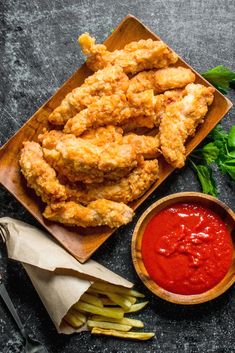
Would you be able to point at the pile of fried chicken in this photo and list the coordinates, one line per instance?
(96, 159)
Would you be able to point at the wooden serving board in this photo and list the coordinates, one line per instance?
(82, 243)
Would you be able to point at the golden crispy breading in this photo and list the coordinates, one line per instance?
(108, 81)
(148, 146)
(161, 80)
(114, 109)
(180, 121)
(126, 189)
(107, 110)
(97, 213)
(49, 139)
(139, 123)
(66, 165)
(39, 174)
(142, 104)
(161, 101)
(103, 135)
(80, 160)
(118, 160)
(134, 57)
(164, 100)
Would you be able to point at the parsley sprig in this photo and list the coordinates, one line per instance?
(220, 150)
(221, 77)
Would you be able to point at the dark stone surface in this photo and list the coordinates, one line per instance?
(38, 53)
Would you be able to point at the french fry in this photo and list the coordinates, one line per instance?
(107, 301)
(120, 300)
(143, 336)
(108, 325)
(124, 321)
(73, 319)
(110, 312)
(131, 299)
(136, 307)
(116, 289)
(91, 299)
(97, 292)
(79, 315)
(108, 320)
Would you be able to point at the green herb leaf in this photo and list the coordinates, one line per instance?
(230, 162)
(232, 154)
(210, 152)
(228, 167)
(206, 178)
(221, 77)
(221, 151)
(231, 137)
(207, 181)
(232, 83)
(218, 133)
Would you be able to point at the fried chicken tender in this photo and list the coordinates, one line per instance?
(97, 213)
(114, 109)
(107, 110)
(42, 178)
(134, 57)
(104, 82)
(148, 146)
(161, 101)
(40, 175)
(140, 123)
(80, 160)
(161, 80)
(180, 121)
(103, 135)
(142, 104)
(164, 100)
(124, 190)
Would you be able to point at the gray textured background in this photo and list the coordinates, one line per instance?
(38, 53)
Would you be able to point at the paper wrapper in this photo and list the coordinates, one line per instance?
(58, 277)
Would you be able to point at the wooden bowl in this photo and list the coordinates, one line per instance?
(225, 213)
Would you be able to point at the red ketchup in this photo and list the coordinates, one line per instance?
(186, 249)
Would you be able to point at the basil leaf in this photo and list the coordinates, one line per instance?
(221, 77)
(231, 137)
(210, 152)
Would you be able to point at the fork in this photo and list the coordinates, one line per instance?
(30, 345)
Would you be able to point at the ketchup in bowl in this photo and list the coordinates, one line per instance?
(186, 249)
